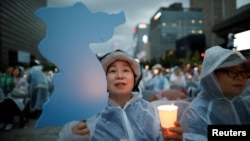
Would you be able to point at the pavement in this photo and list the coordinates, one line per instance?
(30, 133)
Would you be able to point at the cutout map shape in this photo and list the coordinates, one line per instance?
(80, 87)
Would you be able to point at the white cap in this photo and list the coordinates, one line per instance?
(111, 57)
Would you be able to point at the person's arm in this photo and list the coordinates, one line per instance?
(155, 96)
(74, 131)
(194, 126)
(20, 90)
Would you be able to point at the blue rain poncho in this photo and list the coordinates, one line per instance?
(137, 121)
(211, 107)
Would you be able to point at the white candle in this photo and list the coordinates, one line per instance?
(168, 115)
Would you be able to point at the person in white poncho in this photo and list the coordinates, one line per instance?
(127, 116)
(221, 101)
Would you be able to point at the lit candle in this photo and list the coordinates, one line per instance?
(168, 115)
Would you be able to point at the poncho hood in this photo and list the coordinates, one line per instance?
(217, 57)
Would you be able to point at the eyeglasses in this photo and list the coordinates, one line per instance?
(234, 74)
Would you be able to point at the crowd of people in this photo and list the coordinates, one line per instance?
(222, 85)
(159, 82)
(23, 93)
(217, 93)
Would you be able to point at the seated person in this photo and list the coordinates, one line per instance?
(14, 102)
(221, 101)
(127, 116)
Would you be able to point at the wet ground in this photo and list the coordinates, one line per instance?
(30, 133)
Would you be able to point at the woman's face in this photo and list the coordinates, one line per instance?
(120, 78)
(16, 72)
(232, 80)
(156, 71)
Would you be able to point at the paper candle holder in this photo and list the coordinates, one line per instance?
(167, 115)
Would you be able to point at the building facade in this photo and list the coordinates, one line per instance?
(170, 24)
(214, 11)
(140, 41)
(21, 31)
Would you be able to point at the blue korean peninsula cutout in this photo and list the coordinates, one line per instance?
(80, 87)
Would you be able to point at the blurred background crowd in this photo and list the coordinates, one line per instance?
(23, 93)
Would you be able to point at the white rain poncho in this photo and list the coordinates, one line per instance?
(211, 107)
(137, 121)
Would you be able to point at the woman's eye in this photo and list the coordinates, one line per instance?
(126, 70)
(111, 71)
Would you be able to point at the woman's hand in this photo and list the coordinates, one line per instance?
(173, 133)
(81, 129)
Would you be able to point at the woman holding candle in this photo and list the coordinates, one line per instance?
(221, 101)
(127, 116)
